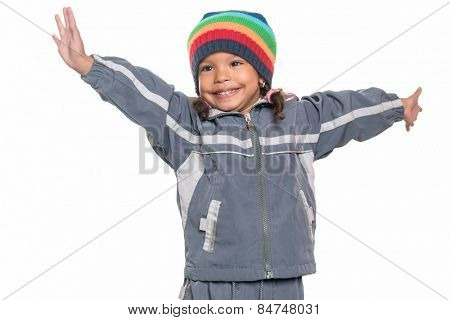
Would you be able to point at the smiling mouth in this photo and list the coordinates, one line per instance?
(227, 93)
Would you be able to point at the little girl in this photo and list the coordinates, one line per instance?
(242, 152)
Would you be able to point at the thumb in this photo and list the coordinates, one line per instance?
(418, 92)
(55, 38)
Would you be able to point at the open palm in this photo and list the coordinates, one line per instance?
(70, 45)
(411, 108)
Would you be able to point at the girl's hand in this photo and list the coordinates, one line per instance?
(70, 46)
(412, 108)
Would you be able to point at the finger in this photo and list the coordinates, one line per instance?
(60, 26)
(418, 92)
(420, 109)
(72, 23)
(66, 19)
(55, 38)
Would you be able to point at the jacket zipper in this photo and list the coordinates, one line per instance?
(255, 139)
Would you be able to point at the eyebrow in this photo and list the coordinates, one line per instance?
(206, 62)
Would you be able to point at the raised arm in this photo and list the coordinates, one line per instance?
(340, 116)
(138, 93)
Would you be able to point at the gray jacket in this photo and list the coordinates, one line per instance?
(245, 184)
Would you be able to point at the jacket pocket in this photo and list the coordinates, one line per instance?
(209, 225)
(309, 215)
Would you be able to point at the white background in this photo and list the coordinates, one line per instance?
(69, 163)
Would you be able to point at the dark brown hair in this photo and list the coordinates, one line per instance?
(277, 100)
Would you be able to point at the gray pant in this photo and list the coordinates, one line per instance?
(268, 289)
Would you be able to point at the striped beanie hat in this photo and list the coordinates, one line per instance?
(243, 33)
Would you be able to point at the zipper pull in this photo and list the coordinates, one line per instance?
(249, 121)
(269, 274)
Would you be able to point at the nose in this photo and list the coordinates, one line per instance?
(222, 75)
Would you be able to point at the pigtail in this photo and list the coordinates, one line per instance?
(277, 100)
(201, 107)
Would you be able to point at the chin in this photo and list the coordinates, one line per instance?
(226, 107)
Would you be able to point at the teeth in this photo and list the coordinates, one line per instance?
(226, 92)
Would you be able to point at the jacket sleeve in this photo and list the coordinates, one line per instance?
(148, 101)
(340, 116)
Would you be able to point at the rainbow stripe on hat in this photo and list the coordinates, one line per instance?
(246, 34)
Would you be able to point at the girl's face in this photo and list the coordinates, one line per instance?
(228, 82)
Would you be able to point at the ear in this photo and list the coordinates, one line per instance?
(262, 82)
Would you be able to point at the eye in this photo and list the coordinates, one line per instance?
(204, 67)
(236, 61)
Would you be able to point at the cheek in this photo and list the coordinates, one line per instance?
(251, 83)
(203, 81)
(250, 78)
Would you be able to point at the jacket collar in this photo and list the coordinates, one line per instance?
(213, 113)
